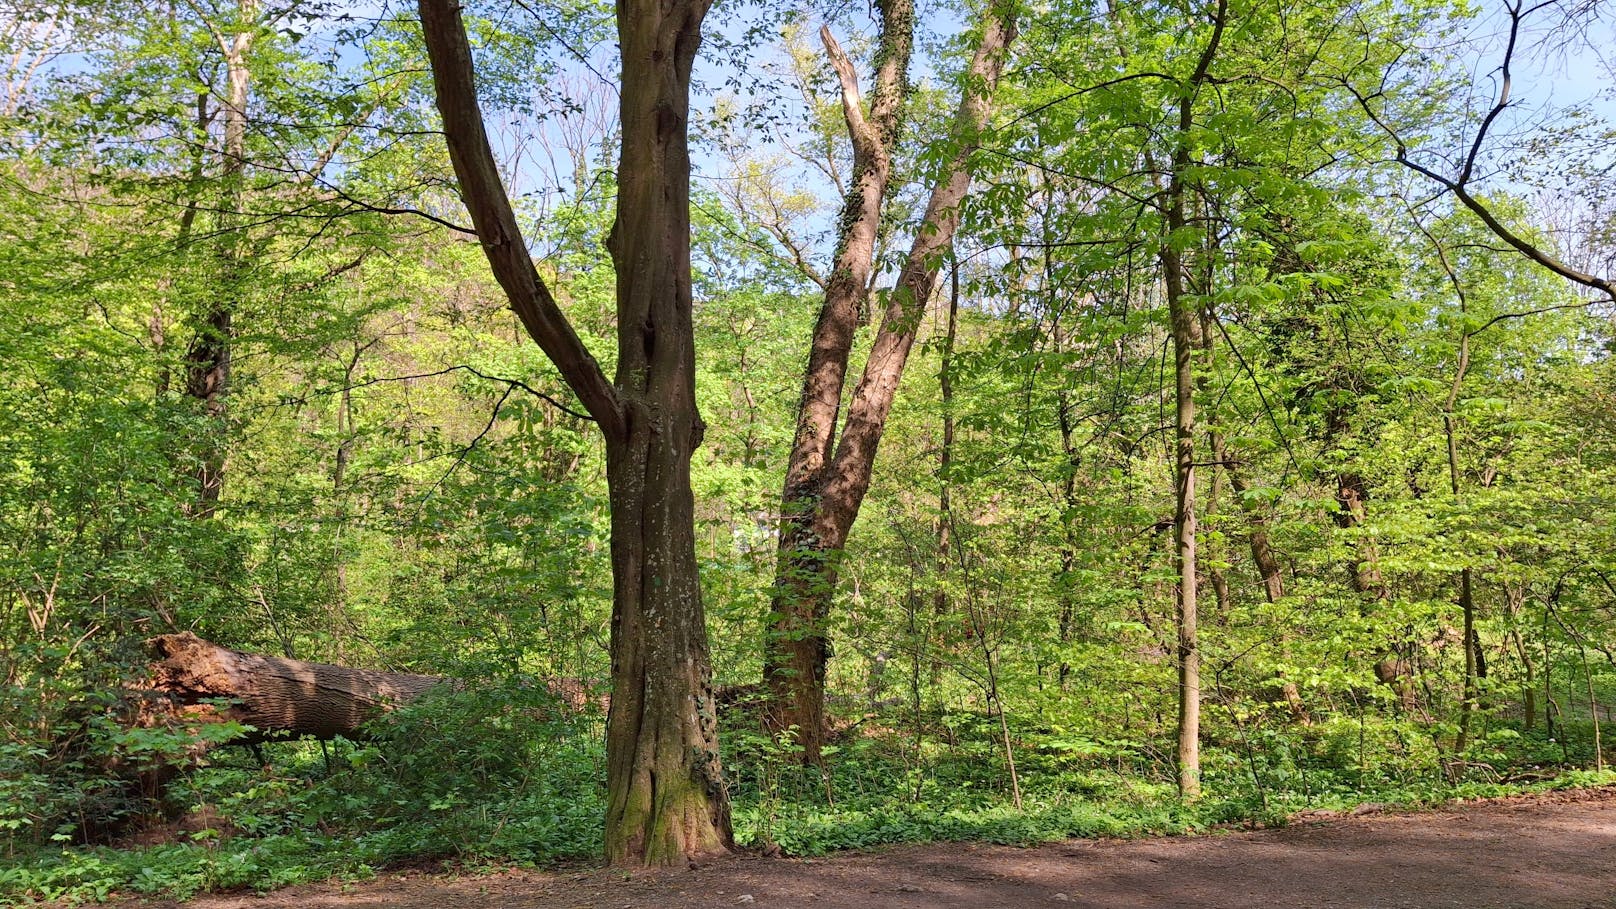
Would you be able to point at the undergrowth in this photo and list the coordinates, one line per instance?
(504, 776)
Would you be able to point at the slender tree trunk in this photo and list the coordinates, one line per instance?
(945, 457)
(1394, 664)
(823, 496)
(1071, 532)
(1467, 601)
(1466, 595)
(208, 360)
(1186, 339)
(666, 801)
(1184, 519)
(1515, 600)
(941, 603)
(1262, 550)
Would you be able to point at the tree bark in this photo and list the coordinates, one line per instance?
(820, 511)
(796, 647)
(1185, 329)
(666, 798)
(667, 801)
(208, 359)
(278, 697)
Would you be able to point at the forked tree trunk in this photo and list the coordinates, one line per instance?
(796, 647)
(818, 513)
(666, 799)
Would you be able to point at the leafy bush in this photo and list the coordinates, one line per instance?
(496, 772)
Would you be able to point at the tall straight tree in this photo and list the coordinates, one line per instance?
(666, 797)
(1185, 329)
(827, 476)
(207, 360)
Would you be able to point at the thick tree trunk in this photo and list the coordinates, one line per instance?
(666, 798)
(667, 801)
(276, 696)
(816, 522)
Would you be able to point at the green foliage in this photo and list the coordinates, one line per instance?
(497, 773)
(408, 485)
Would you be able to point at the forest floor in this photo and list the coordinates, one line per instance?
(1535, 852)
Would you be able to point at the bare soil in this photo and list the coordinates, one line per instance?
(1556, 850)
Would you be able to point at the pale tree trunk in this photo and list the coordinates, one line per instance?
(207, 360)
(1185, 340)
(815, 528)
(666, 798)
(1186, 333)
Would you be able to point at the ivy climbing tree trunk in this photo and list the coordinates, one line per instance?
(666, 798)
(796, 647)
(823, 491)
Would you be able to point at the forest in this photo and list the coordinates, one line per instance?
(542, 432)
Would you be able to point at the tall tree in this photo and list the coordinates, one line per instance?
(207, 360)
(1186, 332)
(666, 797)
(827, 476)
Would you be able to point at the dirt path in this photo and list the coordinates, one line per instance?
(1537, 853)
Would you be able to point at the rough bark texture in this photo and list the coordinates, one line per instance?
(666, 801)
(277, 696)
(819, 512)
(796, 647)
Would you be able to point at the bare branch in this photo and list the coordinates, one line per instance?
(858, 129)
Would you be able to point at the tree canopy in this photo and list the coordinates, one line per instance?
(989, 420)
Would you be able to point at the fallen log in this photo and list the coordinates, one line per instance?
(278, 697)
(193, 682)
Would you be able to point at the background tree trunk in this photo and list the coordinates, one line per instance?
(796, 647)
(207, 360)
(811, 543)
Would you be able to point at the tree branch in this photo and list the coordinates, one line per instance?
(483, 192)
(511, 385)
(858, 128)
